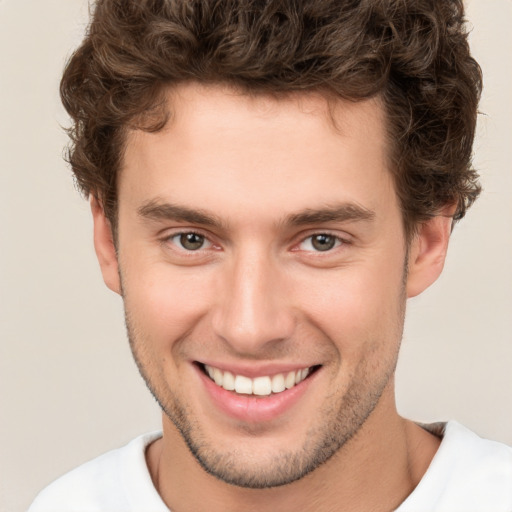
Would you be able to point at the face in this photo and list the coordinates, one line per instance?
(261, 258)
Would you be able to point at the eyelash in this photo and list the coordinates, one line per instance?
(339, 242)
(170, 238)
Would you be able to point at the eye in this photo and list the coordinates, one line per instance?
(190, 241)
(320, 242)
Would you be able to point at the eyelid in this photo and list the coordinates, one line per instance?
(168, 235)
(206, 244)
(342, 239)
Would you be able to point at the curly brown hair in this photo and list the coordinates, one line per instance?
(413, 54)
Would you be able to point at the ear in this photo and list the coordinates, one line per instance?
(104, 246)
(427, 252)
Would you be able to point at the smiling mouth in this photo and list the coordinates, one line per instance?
(260, 386)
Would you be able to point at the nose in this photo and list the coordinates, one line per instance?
(253, 309)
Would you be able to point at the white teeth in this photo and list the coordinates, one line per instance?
(278, 383)
(260, 386)
(289, 380)
(217, 376)
(243, 385)
(228, 381)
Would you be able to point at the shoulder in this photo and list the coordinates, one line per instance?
(467, 473)
(478, 459)
(104, 483)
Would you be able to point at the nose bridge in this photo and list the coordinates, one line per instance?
(253, 309)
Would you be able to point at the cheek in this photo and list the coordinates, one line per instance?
(359, 308)
(165, 303)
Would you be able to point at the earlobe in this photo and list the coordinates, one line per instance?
(104, 247)
(427, 253)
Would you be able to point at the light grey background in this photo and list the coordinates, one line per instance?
(68, 387)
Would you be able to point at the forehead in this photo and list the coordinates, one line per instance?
(222, 146)
(194, 106)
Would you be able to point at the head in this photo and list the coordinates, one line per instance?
(271, 180)
(413, 56)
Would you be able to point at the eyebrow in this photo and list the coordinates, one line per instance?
(156, 210)
(345, 212)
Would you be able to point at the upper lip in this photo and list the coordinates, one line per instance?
(253, 369)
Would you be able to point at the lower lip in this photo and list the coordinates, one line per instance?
(251, 408)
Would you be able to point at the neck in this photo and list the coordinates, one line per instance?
(376, 470)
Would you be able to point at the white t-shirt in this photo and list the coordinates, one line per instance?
(467, 474)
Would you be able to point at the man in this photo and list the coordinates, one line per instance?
(269, 183)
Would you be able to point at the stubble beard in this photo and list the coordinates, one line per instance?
(338, 424)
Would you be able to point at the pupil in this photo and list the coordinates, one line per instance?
(323, 242)
(191, 241)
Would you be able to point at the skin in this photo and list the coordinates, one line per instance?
(259, 295)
